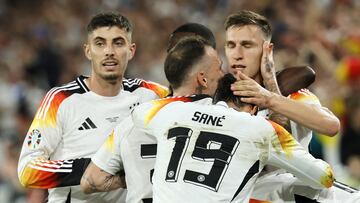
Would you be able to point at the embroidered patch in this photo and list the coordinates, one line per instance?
(34, 138)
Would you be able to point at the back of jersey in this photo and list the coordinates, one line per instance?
(206, 153)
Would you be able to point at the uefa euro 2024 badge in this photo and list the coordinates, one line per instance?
(34, 138)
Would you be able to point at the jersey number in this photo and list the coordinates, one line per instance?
(148, 151)
(209, 147)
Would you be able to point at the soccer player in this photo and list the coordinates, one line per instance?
(75, 119)
(248, 36)
(248, 43)
(290, 79)
(129, 148)
(191, 67)
(213, 153)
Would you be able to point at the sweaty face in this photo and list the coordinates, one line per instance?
(243, 49)
(213, 72)
(109, 49)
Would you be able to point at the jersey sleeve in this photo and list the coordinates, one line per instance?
(285, 152)
(144, 114)
(108, 157)
(146, 89)
(159, 90)
(300, 132)
(35, 170)
(305, 96)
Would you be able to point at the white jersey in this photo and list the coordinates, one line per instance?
(70, 125)
(214, 153)
(131, 150)
(286, 189)
(277, 187)
(301, 133)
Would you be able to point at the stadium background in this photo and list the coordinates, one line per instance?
(41, 46)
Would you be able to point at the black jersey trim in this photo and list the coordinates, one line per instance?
(131, 84)
(345, 187)
(68, 199)
(81, 81)
(252, 171)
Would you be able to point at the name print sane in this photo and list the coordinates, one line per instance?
(208, 119)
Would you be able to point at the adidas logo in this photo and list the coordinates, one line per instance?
(88, 124)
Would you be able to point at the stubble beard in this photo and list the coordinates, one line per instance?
(111, 78)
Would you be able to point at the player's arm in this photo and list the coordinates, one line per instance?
(97, 180)
(310, 115)
(285, 152)
(270, 81)
(103, 173)
(35, 170)
(301, 110)
(285, 82)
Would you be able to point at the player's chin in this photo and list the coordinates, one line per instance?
(113, 76)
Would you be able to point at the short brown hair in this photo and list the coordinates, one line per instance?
(245, 17)
(109, 19)
(181, 58)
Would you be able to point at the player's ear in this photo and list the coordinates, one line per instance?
(87, 51)
(253, 110)
(132, 50)
(201, 79)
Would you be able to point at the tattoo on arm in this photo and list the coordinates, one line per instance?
(270, 82)
(268, 65)
(110, 182)
(92, 187)
(271, 85)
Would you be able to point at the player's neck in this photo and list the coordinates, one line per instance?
(232, 105)
(183, 91)
(103, 87)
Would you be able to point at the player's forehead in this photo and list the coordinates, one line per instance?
(244, 33)
(109, 33)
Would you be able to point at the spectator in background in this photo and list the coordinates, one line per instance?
(350, 141)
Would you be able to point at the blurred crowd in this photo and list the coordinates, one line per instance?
(41, 46)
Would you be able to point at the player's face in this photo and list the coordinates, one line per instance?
(214, 71)
(109, 49)
(243, 49)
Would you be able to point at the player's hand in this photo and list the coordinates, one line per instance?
(267, 63)
(254, 93)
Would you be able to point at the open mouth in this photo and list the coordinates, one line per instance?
(110, 64)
